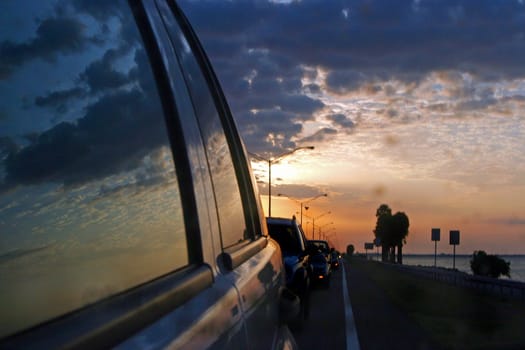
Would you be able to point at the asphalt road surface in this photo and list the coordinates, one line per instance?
(326, 325)
(364, 318)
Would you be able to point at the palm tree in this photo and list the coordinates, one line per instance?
(392, 230)
(400, 224)
(382, 230)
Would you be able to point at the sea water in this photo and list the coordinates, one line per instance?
(462, 263)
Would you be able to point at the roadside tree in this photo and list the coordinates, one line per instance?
(392, 231)
(400, 224)
(382, 230)
(483, 264)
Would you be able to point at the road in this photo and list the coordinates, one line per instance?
(327, 326)
(354, 313)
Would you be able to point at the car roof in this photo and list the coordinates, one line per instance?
(273, 220)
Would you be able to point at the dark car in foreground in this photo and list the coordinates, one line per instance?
(130, 217)
(293, 245)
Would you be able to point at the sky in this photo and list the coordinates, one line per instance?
(416, 104)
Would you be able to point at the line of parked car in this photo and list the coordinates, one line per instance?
(307, 263)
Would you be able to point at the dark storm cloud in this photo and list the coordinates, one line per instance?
(341, 121)
(114, 135)
(345, 81)
(101, 75)
(53, 36)
(270, 130)
(99, 9)
(313, 88)
(324, 134)
(358, 43)
(7, 146)
(316, 32)
(59, 99)
(116, 100)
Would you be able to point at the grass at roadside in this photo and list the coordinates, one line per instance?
(456, 318)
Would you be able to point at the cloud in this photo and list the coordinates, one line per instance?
(99, 9)
(7, 146)
(512, 221)
(341, 121)
(379, 35)
(18, 253)
(377, 41)
(320, 136)
(297, 192)
(101, 75)
(53, 36)
(113, 136)
(59, 99)
(345, 81)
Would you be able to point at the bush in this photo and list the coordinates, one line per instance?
(483, 264)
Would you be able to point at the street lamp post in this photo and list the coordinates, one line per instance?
(329, 240)
(302, 204)
(320, 227)
(271, 161)
(313, 222)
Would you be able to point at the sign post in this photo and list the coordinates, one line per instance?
(368, 246)
(454, 240)
(436, 233)
(377, 242)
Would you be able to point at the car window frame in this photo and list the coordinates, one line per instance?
(251, 205)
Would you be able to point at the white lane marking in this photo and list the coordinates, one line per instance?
(352, 342)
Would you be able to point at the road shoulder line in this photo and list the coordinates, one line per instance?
(352, 341)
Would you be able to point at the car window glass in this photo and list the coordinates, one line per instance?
(303, 238)
(228, 198)
(89, 201)
(286, 237)
(318, 258)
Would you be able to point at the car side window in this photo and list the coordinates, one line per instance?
(89, 198)
(228, 198)
(286, 237)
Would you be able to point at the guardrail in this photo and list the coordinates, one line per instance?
(493, 286)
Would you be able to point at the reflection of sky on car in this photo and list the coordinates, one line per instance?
(88, 194)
